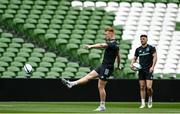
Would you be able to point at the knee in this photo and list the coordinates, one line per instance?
(149, 87)
(142, 87)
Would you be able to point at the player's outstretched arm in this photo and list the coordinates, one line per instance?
(100, 45)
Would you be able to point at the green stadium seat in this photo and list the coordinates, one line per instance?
(75, 41)
(50, 54)
(4, 2)
(17, 40)
(83, 55)
(89, 36)
(72, 64)
(70, 69)
(84, 69)
(69, 21)
(61, 59)
(77, 36)
(23, 12)
(22, 74)
(10, 11)
(50, 7)
(8, 54)
(3, 45)
(40, 2)
(76, 31)
(20, 59)
(50, 39)
(87, 41)
(27, 7)
(4, 64)
(14, 50)
(42, 26)
(52, 75)
(94, 59)
(72, 49)
(23, 54)
(92, 32)
(42, 69)
(13, 69)
(93, 27)
(151, 1)
(61, 45)
(2, 50)
(80, 74)
(20, 16)
(67, 74)
(80, 27)
(8, 74)
(15, 45)
(28, 50)
(98, 51)
(49, 10)
(99, 40)
(59, 64)
(31, 20)
(162, 1)
(48, 59)
(45, 64)
(17, 64)
(40, 50)
(37, 54)
(34, 59)
(5, 40)
(6, 35)
(13, 6)
(53, 3)
(28, 2)
(174, 1)
(45, 16)
(38, 75)
(63, 36)
(39, 7)
(7, 18)
(52, 31)
(33, 64)
(6, 59)
(57, 69)
(2, 69)
(81, 22)
(55, 26)
(67, 26)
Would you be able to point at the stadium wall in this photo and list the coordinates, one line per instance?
(53, 90)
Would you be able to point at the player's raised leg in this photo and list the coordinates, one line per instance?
(85, 79)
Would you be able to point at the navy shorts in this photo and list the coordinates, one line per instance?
(104, 71)
(144, 74)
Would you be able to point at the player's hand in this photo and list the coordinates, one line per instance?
(151, 69)
(132, 67)
(88, 46)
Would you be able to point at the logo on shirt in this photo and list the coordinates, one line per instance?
(147, 49)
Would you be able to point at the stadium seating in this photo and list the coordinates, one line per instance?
(66, 26)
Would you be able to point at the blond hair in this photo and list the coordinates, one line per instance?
(110, 29)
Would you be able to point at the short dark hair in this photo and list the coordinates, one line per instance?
(110, 29)
(143, 35)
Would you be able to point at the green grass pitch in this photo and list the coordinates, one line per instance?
(87, 108)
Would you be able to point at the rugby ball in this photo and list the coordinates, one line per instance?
(28, 68)
(136, 66)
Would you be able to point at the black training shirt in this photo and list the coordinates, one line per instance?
(110, 53)
(145, 55)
